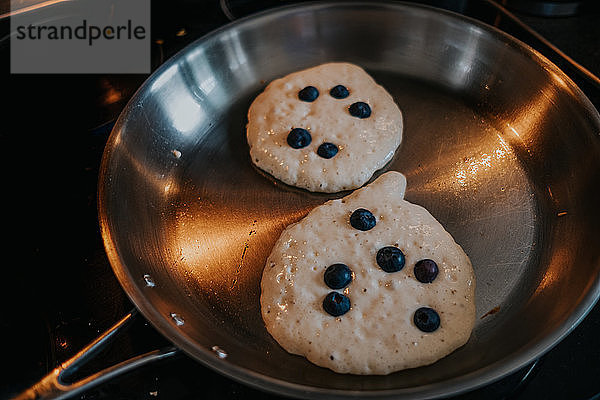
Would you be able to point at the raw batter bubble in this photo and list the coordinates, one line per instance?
(353, 122)
(324, 295)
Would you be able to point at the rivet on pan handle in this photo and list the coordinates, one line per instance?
(54, 386)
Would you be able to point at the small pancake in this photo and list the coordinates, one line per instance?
(362, 144)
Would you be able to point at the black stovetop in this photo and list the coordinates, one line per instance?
(59, 292)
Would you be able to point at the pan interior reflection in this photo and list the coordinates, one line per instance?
(185, 113)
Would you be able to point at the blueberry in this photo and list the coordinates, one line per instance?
(426, 319)
(336, 304)
(338, 276)
(309, 94)
(426, 270)
(327, 150)
(339, 92)
(362, 219)
(390, 259)
(299, 138)
(360, 110)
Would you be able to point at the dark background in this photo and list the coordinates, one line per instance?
(58, 289)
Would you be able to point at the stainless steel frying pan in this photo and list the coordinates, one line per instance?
(499, 145)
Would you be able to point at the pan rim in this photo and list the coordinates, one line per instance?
(453, 386)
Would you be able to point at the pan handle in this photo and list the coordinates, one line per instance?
(54, 386)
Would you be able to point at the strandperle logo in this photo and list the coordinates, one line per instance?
(87, 36)
(84, 31)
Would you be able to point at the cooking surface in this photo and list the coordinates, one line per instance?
(60, 290)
